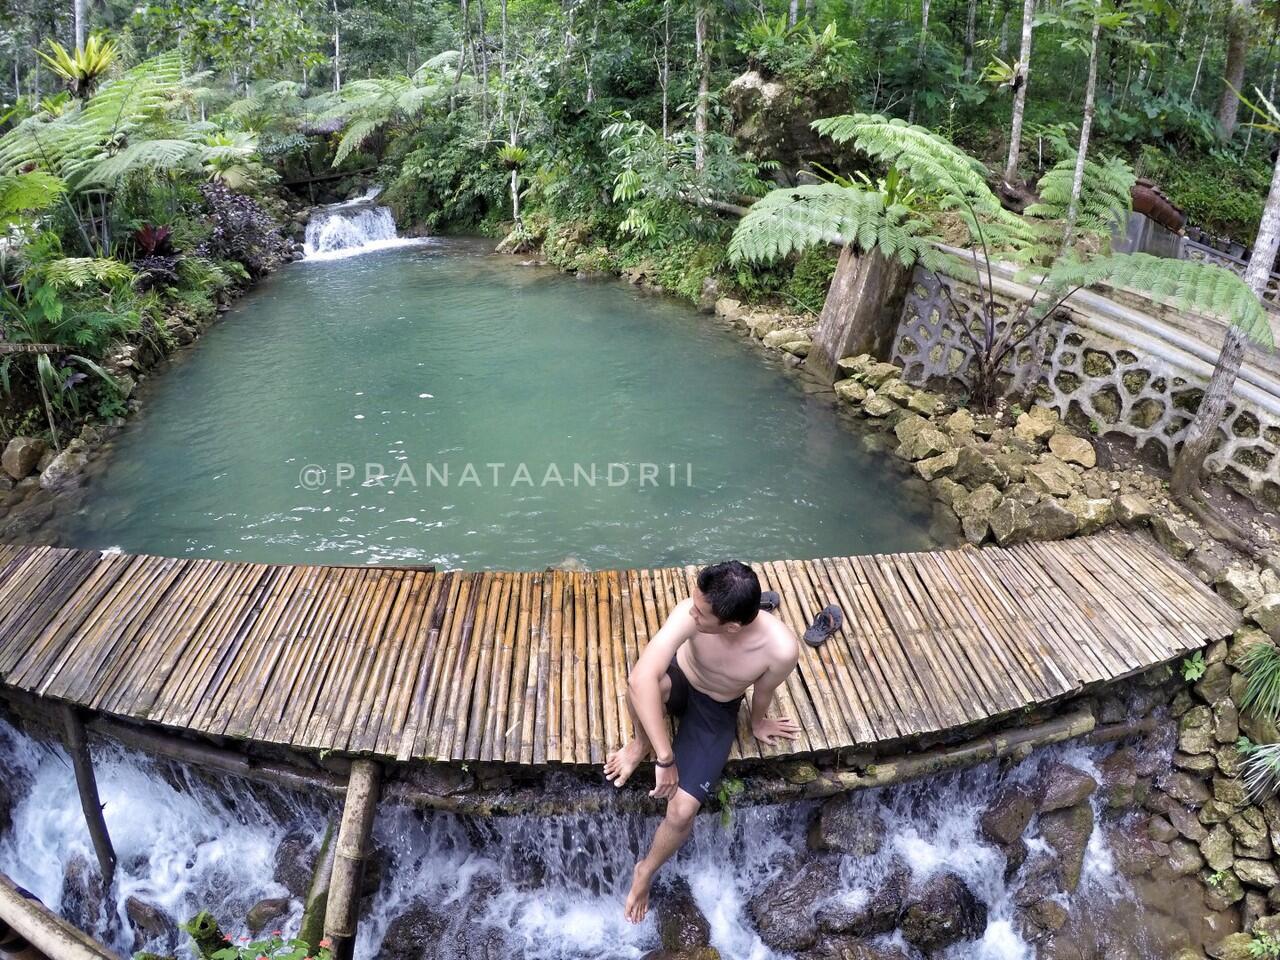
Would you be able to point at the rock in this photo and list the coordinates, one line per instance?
(943, 913)
(927, 443)
(1073, 449)
(1034, 425)
(63, 470)
(1161, 830)
(798, 348)
(1223, 892)
(83, 899)
(264, 911)
(924, 403)
(1004, 821)
(1249, 828)
(775, 338)
(1184, 858)
(1063, 785)
(876, 375)
(1050, 520)
(875, 914)
(978, 503)
(1218, 848)
(974, 469)
(1198, 763)
(853, 367)
(1010, 522)
(975, 530)
(681, 925)
(844, 824)
(1239, 586)
(960, 422)
(878, 406)
(1257, 873)
(783, 910)
(1051, 476)
(897, 391)
(418, 925)
(1253, 908)
(1244, 638)
(1234, 946)
(1042, 918)
(910, 425)
(151, 925)
(1195, 730)
(21, 455)
(1265, 612)
(932, 468)
(447, 935)
(1091, 514)
(850, 391)
(1067, 832)
(1215, 685)
(761, 324)
(1231, 792)
(1226, 722)
(1175, 536)
(1185, 822)
(1131, 849)
(295, 862)
(1133, 510)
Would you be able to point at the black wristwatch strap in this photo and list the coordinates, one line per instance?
(669, 763)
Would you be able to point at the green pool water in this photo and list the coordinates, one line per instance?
(648, 434)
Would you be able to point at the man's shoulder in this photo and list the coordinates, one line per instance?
(783, 646)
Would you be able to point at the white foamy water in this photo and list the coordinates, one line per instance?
(540, 888)
(355, 227)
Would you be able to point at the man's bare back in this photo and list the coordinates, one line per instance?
(724, 668)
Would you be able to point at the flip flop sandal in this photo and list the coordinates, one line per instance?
(825, 624)
(770, 600)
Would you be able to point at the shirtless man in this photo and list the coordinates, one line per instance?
(698, 666)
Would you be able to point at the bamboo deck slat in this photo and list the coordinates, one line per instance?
(532, 667)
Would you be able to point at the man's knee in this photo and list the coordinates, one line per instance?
(681, 809)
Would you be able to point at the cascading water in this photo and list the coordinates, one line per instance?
(356, 226)
(546, 888)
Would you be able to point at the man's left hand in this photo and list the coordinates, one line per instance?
(770, 730)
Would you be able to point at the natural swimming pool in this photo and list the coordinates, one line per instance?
(439, 404)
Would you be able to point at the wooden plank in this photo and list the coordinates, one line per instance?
(418, 715)
(491, 639)
(587, 719)
(472, 689)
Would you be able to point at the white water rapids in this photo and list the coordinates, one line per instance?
(548, 888)
(356, 226)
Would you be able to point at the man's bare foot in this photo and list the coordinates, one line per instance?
(620, 764)
(638, 899)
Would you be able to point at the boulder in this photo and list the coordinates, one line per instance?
(876, 375)
(1184, 858)
(1244, 638)
(1036, 425)
(1215, 685)
(264, 911)
(1050, 520)
(1175, 536)
(870, 915)
(1091, 514)
(850, 391)
(877, 406)
(783, 911)
(853, 367)
(924, 403)
(1239, 586)
(1133, 510)
(1265, 612)
(974, 469)
(1067, 833)
(778, 336)
(978, 503)
(798, 348)
(944, 912)
(1195, 730)
(681, 925)
(910, 425)
(1249, 828)
(931, 468)
(1185, 788)
(1005, 819)
(295, 862)
(897, 391)
(1010, 522)
(845, 824)
(975, 530)
(83, 899)
(1257, 873)
(64, 469)
(960, 422)
(1132, 850)
(1161, 830)
(927, 443)
(1042, 918)
(451, 937)
(1234, 946)
(151, 925)
(1073, 449)
(1063, 785)
(1218, 848)
(21, 455)
(1052, 477)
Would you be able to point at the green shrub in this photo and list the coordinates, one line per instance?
(1218, 192)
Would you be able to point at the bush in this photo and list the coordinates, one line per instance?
(242, 232)
(1220, 193)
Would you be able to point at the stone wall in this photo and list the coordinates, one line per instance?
(1109, 371)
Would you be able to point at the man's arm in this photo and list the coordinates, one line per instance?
(644, 687)
(765, 728)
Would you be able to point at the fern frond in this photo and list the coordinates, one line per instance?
(1105, 195)
(143, 155)
(80, 272)
(354, 137)
(793, 219)
(25, 192)
(1184, 284)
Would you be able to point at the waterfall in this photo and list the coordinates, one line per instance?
(531, 888)
(355, 226)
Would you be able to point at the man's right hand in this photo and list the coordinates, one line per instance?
(666, 780)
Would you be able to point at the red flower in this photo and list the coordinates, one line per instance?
(275, 933)
(326, 942)
(226, 938)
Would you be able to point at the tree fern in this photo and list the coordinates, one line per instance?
(26, 193)
(791, 220)
(1105, 196)
(1185, 284)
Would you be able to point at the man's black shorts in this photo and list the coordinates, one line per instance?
(705, 735)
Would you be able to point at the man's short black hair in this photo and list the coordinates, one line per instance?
(733, 590)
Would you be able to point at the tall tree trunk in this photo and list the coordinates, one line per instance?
(1021, 79)
(970, 37)
(82, 22)
(664, 68)
(1233, 75)
(702, 49)
(920, 48)
(1204, 428)
(337, 50)
(1086, 126)
(793, 13)
(1204, 46)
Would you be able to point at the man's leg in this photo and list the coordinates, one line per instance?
(619, 765)
(672, 833)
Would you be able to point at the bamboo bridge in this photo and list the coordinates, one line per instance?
(380, 665)
(530, 668)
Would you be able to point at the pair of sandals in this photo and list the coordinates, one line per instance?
(824, 625)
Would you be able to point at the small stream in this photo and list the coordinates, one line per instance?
(533, 888)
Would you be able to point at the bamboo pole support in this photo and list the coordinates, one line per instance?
(87, 784)
(313, 911)
(45, 931)
(342, 913)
